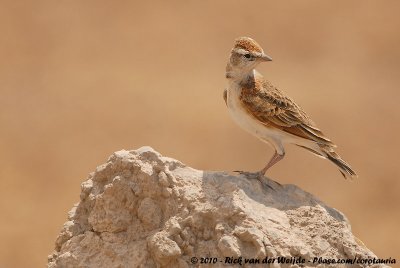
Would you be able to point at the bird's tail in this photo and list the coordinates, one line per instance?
(344, 168)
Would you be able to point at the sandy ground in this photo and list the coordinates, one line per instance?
(80, 80)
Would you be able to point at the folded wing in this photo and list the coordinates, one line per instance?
(271, 107)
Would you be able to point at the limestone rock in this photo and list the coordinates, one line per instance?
(141, 209)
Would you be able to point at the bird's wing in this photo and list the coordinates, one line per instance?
(273, 108)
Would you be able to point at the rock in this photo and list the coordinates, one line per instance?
(141, 209)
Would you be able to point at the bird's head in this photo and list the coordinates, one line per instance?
(246, 54)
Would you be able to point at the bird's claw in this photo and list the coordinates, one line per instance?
(251, 175)
(259, 176)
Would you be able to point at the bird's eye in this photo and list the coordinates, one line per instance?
(247, 56)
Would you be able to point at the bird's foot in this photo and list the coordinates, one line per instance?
(251, 175)
(259, 176)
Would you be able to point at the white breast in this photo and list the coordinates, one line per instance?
(272, 136)
(241, 116)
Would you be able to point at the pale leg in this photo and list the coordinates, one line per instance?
(260, 174)
(275, 159)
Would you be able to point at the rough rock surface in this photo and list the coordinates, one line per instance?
(141, 209)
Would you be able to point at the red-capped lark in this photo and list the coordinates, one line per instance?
(266, 112)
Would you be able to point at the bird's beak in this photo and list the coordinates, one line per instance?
(265, 57)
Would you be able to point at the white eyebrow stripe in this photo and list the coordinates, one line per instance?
(241, 51)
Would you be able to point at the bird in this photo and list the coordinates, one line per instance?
(268, 113)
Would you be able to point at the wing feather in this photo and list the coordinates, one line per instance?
(271, 107)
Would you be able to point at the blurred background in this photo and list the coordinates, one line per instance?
(82, 79)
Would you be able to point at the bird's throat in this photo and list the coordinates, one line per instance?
(239, 76)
